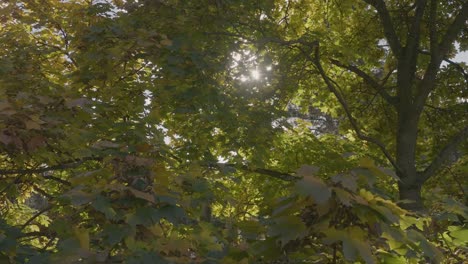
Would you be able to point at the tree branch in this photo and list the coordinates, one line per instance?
(275, 174)
(387, 24)
(443, 156)
(272, 173)
(265, 40)
(369, 80)
(410, 55)
(451, 62)
(42, 192)
(57, 179)
(344, 104)
(36, 215)
(64, 166)
(35, 234)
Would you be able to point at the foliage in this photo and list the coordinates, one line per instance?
(159, 132)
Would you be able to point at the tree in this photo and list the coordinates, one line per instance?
(394, 69)
(158, 131)
(424, 31)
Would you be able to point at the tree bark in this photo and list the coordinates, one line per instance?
(410, 196)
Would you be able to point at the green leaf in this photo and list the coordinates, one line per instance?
(251, 229)
(354, 243)
(460, 234)
(172, 213)
(427, 247)
(388, 258)
(268, 248)
(145, 216)
(115, 233)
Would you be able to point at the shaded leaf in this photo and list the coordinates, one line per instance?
(142, 195)
(315, 188)
(347, 181)
(307, 171)
(343, 196)
(103, 205)
(287, 228)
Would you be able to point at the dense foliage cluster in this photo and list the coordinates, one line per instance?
(231, 131)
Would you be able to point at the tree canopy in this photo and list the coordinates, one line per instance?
(230, 131)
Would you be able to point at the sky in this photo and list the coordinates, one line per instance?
(461, 57)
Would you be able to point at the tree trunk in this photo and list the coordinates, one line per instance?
(411, 194)
(407, 133)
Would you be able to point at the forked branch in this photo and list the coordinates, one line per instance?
(438, 54)
(331, 86)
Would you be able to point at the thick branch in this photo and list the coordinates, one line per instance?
(415, 32)
(432, 27)
(387, 24)
(443, 156)
(428, 83)
(369, 80)
(410, 55)
(344, 104)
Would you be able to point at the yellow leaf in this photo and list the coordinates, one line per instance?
(82, 235)
(166, 42)
(4, 105)
(366, 162)
(144, 147)
(156, 230)
(30, 124)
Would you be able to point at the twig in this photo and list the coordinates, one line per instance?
(275, 174)
(452, 145)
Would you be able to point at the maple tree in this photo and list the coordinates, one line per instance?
(163, 131)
